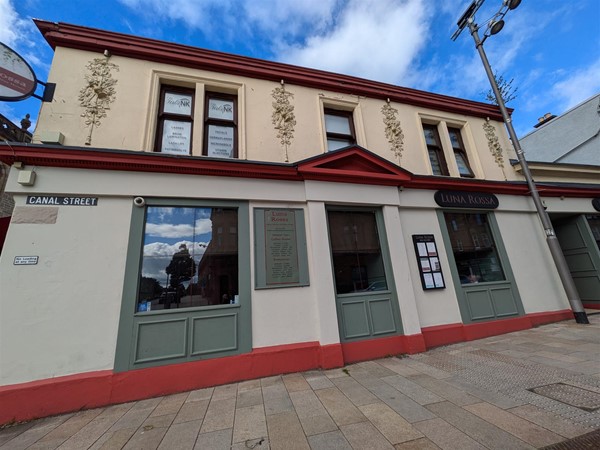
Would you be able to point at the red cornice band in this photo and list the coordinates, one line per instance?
(321, 168)
(60, 34)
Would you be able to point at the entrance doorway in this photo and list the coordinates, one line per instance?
(367, 306)
(579, 238)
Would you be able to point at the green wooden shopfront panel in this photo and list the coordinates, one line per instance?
(479, 304)
(354, 318)
(381, 315)
(504, 301)
(160, 339)
(214, 334)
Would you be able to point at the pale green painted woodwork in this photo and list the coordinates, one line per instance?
(170, 336)
(381, 315)
(214, 334)
(370, 314)
(503, 301)
(582, 255)
(161, 339)
(479, 302)
(354, 318)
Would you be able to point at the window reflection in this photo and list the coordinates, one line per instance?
(474, 248)
(190, 258)
(357, 260)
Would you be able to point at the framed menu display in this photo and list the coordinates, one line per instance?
(281, 256)
(428, 262)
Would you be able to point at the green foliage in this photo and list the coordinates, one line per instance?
(507, 91)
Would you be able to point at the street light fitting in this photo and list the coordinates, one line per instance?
(512, 4)
(496, 26)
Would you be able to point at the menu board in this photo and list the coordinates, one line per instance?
(428, 260)
(280, 252)
(281, 247)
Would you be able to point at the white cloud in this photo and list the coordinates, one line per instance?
(157, 257)
(14, 30)
(168, 230)
(375, 39)
(578, 86)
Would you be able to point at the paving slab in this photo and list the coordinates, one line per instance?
(529, 389)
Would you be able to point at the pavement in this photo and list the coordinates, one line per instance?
(529, 389)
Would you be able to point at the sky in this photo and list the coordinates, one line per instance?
(550, 48)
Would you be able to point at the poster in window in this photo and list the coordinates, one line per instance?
(438, 280)
(176, 137)
(431, 250)
(220, 109)
(178, 103)
(422, 248)
(435, 263)
(220, 141)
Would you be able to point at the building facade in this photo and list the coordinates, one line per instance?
(186, 218)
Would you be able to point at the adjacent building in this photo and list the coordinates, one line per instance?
(187, 218)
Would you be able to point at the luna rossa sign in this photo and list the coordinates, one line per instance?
(17, 80)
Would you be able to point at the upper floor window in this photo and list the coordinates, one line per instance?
(435, 150)
(175, 120)
(460, 154)
(220, 126)
(339, 128)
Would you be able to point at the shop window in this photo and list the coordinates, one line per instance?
(357, 259)
(220, 126)
(435, 150)
(474, 248)
(183, 265)
(460, 154)
(175, 120)
(339, 128)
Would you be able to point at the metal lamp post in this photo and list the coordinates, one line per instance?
(494, 26)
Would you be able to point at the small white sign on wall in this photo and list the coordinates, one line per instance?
(25, 260)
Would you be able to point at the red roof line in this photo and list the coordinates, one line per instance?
(92, 39)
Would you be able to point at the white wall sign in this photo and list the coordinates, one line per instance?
(61, 201)
(25, 260)
(220, 141)
(176, 137)
(178, 104)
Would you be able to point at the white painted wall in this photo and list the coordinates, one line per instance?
(60, 316)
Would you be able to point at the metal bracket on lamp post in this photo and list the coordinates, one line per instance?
(551, 239)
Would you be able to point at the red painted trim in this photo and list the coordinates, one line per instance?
(543, 318)
(95, 40)
(591, 305)
(381, 347)
(457, 332)
(4, 223)
(133, 161)
(58, 395)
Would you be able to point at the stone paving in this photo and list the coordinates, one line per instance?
(523, 390)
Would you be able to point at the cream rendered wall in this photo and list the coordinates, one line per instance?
(286, 315)
(418, 216)
(131, 119)
(60, 316)
(531, 262)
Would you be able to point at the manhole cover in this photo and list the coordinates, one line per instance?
(571, 395)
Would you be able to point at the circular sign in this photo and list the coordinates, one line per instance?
(17, 80)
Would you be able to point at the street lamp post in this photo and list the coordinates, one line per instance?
(494, 26)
